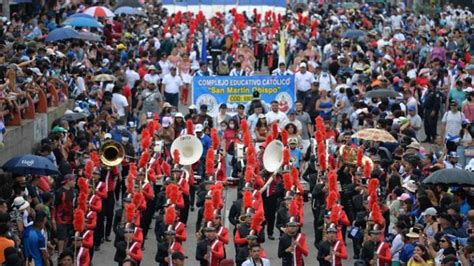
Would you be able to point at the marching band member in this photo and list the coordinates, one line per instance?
(167, 247)
(253, 237)
(222, 231)
(375, 251)
(332, 250)
(256, 258)
(210, 251)
(292, 246)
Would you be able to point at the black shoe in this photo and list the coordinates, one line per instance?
(107, 239)
(96, 248)
(271, 237)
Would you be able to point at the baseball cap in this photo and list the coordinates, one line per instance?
(430, 211)
(404, 197)
(198, 128)
(303, 64)
(411, 108)
(179, 115)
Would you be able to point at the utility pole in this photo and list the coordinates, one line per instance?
(6, 8)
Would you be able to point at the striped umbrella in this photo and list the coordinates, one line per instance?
(99, 12)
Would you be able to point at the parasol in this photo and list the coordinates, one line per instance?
(62, 34)
(374, 134)
(99, 12)
(104, 77)
(131, 11)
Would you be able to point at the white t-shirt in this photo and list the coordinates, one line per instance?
(272, 117)
(250, 262)
(165, 67)
(152, 78)
(304, 81)
(453, 122)
(131, 76)
(119, 102)
(172, 84)
(326, 80)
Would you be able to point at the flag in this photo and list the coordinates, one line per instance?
(204, 48)
(282, 47)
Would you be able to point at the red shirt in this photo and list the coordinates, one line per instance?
(127, 91)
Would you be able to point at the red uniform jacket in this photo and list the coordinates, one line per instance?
(301, 250)
(343, 220)
(217, 253)
(177, 247)
(83, 257)
(91, 221)
(239, 240)
(138, 235)
(340, 248)
(223, 235)
(95, 203)
(88, 239)
(180, 229)
(384, 255)
(101, 190)
(184, 185)
(147, 191)
(136, 251)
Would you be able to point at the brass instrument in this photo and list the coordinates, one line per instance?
(111, 153)
(243, 215)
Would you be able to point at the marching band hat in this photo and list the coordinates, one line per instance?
(293, 222)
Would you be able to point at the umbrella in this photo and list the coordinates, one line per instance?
(130, 3)
(104, 77)
(30, 165)
(72, 117)
(374, 134)
(451, 176)
(382, 93)
(89, 36)
(80, 15)
(127, 10)
(350, 5)
(62, 34)
(99, 11)
(353, 34)
(83, 22)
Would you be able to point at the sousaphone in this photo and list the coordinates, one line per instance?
(273, 156)
(189, 147)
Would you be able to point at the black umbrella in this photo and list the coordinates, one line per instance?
(72, 117)
(130, 3)
(382, 93)
(451, 176)
(30, 165)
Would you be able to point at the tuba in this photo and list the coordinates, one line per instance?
(189, 147)
(273, 156)
(111, 153)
